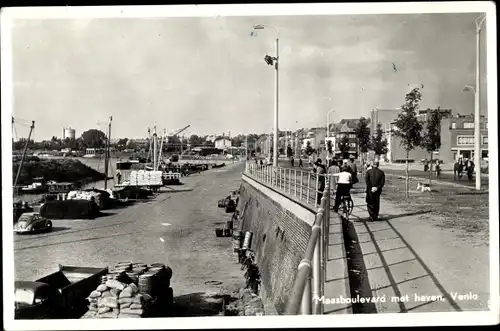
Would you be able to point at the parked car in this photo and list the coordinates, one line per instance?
(32, 222)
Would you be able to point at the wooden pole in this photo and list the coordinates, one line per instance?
(106, 155)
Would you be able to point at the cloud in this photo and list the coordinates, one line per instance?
(208, 72)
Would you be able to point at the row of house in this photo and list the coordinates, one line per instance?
(457, 136)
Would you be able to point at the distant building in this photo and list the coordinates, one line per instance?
(457, 139)
(346, 127)
(250, 144)
(222, 142)
(68, 133)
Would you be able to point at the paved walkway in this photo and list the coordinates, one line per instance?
(417, 266)
(431, 269)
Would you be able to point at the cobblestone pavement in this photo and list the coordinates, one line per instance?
(175, 227)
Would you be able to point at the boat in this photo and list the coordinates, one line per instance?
(38, 186)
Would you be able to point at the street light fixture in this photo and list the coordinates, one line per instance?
(328, 133)
(477, 118)
(273, 61)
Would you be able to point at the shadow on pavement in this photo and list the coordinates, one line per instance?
(199, 304)
(407, 256)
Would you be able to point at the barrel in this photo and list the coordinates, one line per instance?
(116, 275)
(237, 236)
(247, 242)
(146, 283)
(139, 265)
(219, 232)
(161, 281)
(140, 270)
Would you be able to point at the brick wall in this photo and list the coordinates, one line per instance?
(279, 241)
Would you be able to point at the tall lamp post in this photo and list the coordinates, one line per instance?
(328, 133)
(273, 61)
(477, 118)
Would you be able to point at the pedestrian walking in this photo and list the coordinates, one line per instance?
(332, 170)
(375, 181)
(301, 165)
(457, 169)
(118, 176)
(320, 171)
(292, 160)
(438, 169)
(426, 165)
(470, 170)
(354, 169)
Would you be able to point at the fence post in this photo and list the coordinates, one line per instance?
(308, 186)
(316, 264)
(326, 233)
(295, 182)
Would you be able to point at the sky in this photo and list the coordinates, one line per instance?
(209, 73)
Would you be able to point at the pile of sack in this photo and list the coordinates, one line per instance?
(146, 178)
(87, 195)
(114, 299)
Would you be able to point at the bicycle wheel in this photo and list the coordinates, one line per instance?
(350, 206)
(345, 208)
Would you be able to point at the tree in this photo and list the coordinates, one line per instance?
(94, 138)
(122, 142)
(408, 127)
(19, 145)
(344, 146)
(329, 147)
(378, 142)
(309, 149)
(289, 151)
(362, 132)
(431, 139)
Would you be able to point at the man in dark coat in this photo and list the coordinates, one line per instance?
(375, 181)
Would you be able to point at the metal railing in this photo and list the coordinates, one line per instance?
(304, 186)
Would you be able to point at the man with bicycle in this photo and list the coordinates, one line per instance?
(344, 185)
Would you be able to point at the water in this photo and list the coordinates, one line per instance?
(94, 163)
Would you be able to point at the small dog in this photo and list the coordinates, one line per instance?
(423, 187)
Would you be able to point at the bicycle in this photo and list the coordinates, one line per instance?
(346, 205)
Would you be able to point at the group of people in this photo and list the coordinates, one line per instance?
(345, 173)
(437, 168)
(463, 165)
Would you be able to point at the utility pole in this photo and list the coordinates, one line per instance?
(155, 151)
(106, 155)
(477, 119)
(24, 153)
